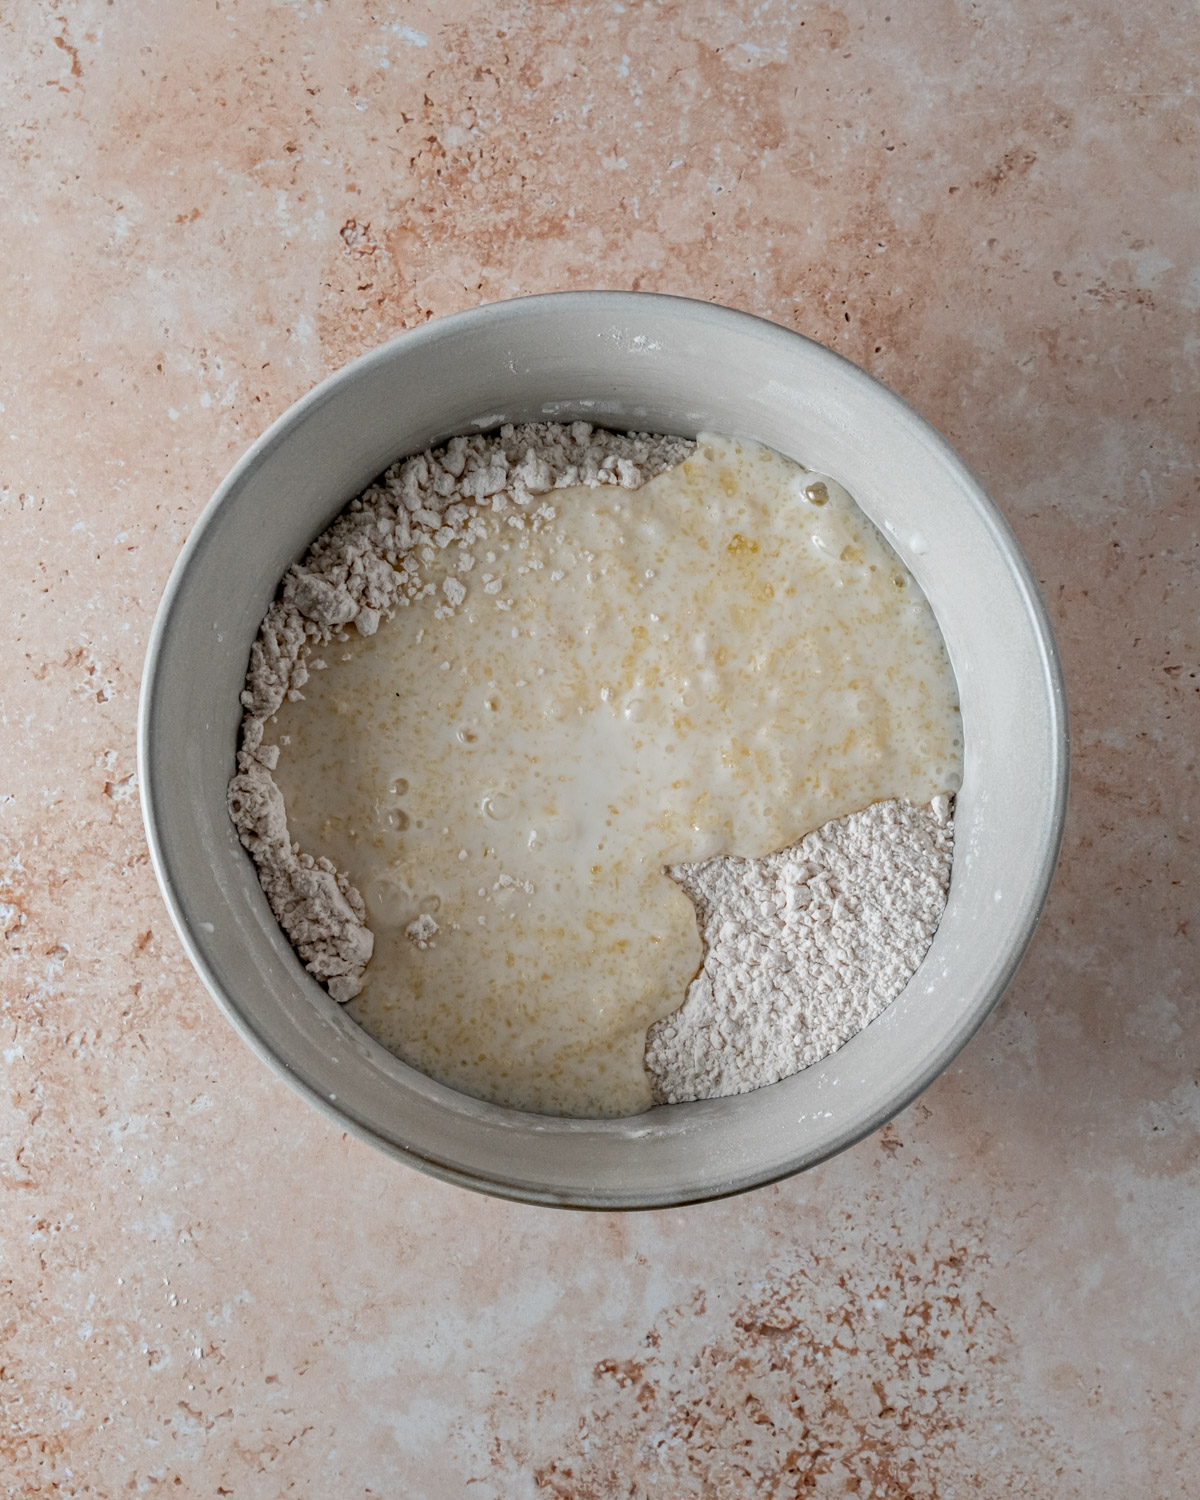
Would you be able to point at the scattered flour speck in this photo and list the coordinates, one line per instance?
(422, 931)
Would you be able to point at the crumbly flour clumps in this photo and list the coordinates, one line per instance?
(801, 948)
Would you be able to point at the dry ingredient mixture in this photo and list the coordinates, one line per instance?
(569, 697)
(802, 948)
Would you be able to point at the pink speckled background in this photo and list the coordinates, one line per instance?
(205, 1289)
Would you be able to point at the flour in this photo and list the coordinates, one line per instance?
(801, 948)
(366, 565)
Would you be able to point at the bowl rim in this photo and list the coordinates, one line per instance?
(1040, 878)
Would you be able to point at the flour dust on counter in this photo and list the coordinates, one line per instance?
(539, 705)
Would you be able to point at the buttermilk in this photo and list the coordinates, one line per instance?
(584, 691)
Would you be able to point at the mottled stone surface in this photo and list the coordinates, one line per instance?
(205, 1289)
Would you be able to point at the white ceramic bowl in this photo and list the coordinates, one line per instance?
(622, 360)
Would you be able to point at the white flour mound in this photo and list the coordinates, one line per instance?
(802, 948)
(359, 571)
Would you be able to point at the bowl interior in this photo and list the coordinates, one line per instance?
(622, 360)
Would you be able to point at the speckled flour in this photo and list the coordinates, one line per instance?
(801, 948)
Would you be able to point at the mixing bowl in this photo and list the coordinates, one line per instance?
(621, 360)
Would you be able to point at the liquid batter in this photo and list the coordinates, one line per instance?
(718, 662)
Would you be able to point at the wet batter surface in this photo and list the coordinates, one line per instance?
(601, 686)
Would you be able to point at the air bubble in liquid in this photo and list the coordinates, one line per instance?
(390, 903)
(389, 819)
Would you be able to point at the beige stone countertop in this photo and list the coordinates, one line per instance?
(205, 1288)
